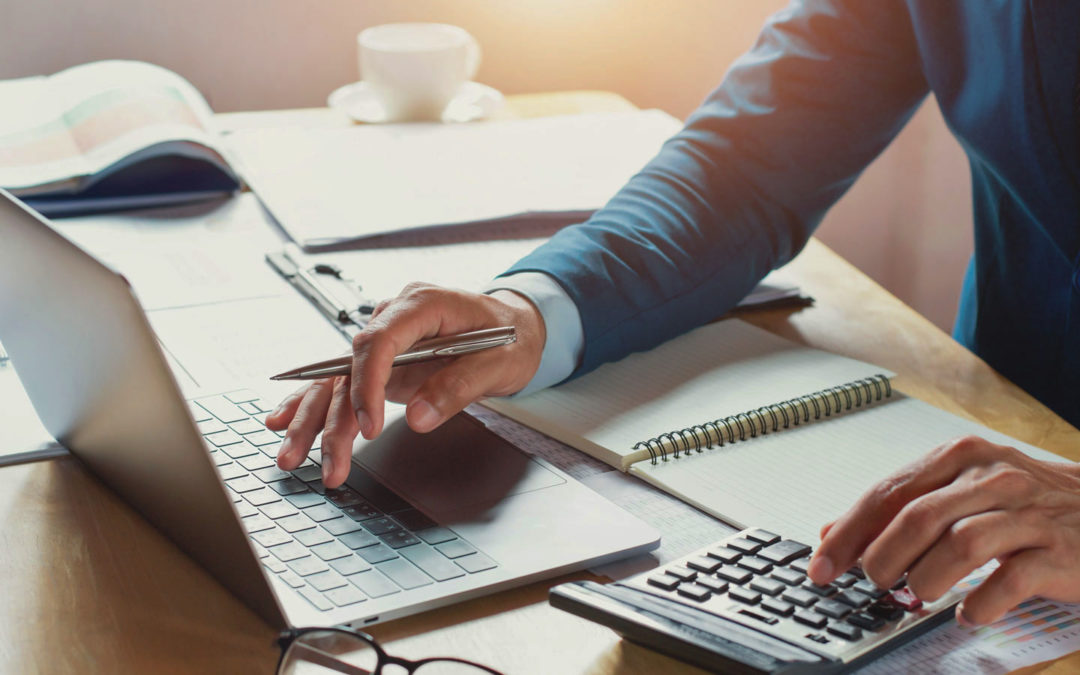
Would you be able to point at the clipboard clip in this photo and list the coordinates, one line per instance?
(338, 297)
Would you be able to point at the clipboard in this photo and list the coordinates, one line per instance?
(340, 299)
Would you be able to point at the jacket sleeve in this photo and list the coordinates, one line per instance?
(740, 189)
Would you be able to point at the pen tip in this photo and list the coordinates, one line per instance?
(275, 377)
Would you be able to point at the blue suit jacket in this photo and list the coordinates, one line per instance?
(825, 88)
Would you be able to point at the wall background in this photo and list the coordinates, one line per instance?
(907, 222)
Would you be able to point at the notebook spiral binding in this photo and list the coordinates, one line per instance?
(770, 418)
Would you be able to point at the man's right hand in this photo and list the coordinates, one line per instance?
(434, 391)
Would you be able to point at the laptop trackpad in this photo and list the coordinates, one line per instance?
(455, 473)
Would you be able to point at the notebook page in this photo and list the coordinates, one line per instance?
(797, 480)
(718, 370)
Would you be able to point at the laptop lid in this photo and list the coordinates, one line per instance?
(100, 384)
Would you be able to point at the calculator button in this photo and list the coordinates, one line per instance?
(783, 552)
(755, 564)
(801, 565)
(725, 554)
(824, 591)
(694, 592)
(854, 599)
(800, 597)
(866, 621)
(764, 618)
(789, 577)
(845, 631)
(744, 545)
(867, 587)
(734, 574)
(845, 580)
(663, 581)
(714, 585)
(906, 599)
(777, 606)
(744, 595)
(886, 609)
(808, 618)
(681, 573)
(762, 536)
(857, 572)
(832, 609)
(767, 586)
(703, 564)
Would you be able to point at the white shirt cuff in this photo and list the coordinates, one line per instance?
(562, 322)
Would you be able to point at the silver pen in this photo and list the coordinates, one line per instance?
(425, 350)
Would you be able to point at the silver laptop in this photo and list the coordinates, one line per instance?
(423, 521)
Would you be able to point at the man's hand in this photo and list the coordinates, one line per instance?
(964, 504)
(434, 391)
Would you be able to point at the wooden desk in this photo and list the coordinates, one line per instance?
(90, 587)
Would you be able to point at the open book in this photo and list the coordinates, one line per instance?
(109, 135)
(747, 426)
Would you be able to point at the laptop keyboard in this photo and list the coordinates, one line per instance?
(338, 547)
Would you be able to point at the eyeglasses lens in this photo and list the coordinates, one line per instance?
(329, 653)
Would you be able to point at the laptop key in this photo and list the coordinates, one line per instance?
(374, 584)
(244, 427)
(303, 500)
(242, 396)
(345, 596)
(220, 458)
(262, 496)
(340, 526)
(272, 475)
(271, 450)
(309, 473)
(279, 510)
(431, 562)
(230, 471)
(399, 539)
(315, 598)
(343, 497)
(271, 538)
(307, 566)
(290, 577)
(274, 565)
(255, 462)
(350, 565)
(313, 537)
(404, 573)
(239, 450)
(244, 484)
(222, 409)
(198, 413)
(323, 512)
(293, 524)
(324, 581)
(257, 523)
(377, 553)
(331, 550)
(455, 548)
(289, 486)
(211, 426)
(379, 526)
(249, 408)
(436, 535)
(263, 437)
(245, 509)
(354, 540)
(289, 552)
(362, 511)
(413, 520)
(477, 562)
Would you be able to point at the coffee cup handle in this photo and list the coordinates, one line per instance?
(472, 58)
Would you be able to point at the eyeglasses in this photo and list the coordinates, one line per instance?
(323, 651)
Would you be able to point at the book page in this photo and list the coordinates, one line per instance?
(329, 185)
(797, 480)
(87, 118)
(715, 371)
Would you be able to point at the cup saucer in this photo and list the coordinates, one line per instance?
(473, 101)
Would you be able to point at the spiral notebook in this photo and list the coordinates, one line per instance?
(747, 426)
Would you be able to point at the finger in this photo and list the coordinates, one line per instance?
(1009, 585)
(284, 412)
(406, 380)
(968, 545)
(305, 425)
(825, 529)
(922, 521)
(854, 531)
(421, 312)
(339, 433)
(448, 391)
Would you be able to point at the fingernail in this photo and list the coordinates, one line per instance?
(961, 618)
(422, 416)
(363, 421)
(327, 466)
(821, 569)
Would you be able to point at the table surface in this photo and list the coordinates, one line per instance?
(89, 586)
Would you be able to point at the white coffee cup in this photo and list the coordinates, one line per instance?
(415, 69)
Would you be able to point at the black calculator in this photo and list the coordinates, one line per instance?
(745, 605)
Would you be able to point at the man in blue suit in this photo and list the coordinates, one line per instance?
(737, 193)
